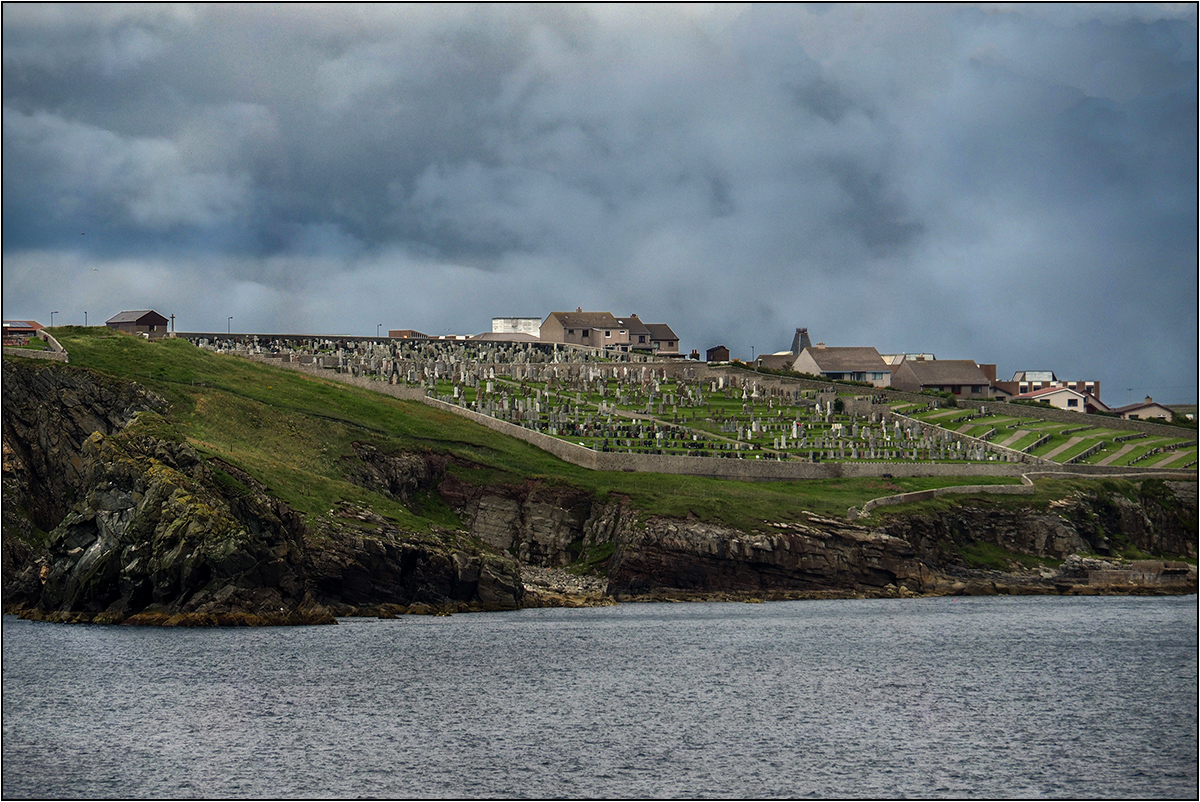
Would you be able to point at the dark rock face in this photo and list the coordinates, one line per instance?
(820, 555)
(1160, 521)
(399, 476)
(142, 529)
(154, 531)
(542, 525)
(48, 414)
(383, 565)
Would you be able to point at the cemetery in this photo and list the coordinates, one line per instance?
(623, 403)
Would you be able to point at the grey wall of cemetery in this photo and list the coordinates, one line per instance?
(763, 469)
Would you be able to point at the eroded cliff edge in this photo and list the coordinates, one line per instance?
(110, 515)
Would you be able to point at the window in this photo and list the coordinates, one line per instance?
(570, 331)
(1072, 402)
(607, 333)
(641, 338)
(586, 332)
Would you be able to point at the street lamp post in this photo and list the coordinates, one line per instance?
(229, 325)
(52, 314)
(378, 326)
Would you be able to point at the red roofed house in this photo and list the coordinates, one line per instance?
(20, 330)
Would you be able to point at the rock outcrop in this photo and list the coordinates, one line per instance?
(142, 529)
(819, 555)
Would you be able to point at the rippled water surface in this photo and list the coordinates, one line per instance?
(997, 697)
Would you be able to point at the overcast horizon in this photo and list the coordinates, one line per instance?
(1011, 184)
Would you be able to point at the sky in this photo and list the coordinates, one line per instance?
(1011, 184)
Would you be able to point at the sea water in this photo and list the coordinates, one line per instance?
(1042, 697)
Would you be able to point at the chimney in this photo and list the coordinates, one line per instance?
(1149, 400)
(820, 345)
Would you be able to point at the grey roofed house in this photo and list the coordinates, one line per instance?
(138, 321)
(959, 376)
(1145, 410)
(662, 339)
(597, 329)
(855, 364)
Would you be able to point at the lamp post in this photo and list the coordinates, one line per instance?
(52, 314)
(85, 318)
(229, 325)
(378, 326)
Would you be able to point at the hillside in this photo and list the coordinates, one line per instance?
(160, 482)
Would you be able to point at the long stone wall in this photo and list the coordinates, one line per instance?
(720, 468)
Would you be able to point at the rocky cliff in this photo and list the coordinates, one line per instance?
(139, 527)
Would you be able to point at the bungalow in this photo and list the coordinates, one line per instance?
(962, 377)
(1145, 410)
(1064, 398)
(141, 321)
(855, 364)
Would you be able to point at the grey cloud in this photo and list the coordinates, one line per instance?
(972, 181)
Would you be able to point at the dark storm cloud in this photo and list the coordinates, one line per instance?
(1010, 184)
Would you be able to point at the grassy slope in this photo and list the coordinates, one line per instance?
(294, 433)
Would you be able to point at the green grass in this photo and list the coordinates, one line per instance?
(31, 345)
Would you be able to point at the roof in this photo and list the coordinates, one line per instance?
(603, 320)
(507, 337)
(1139, 405)
(661, 331)
(586, 320)
(135, 316)
(1034, 376)
(847, 360)
(1050, 391)
(946, 371)
(22, 325)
